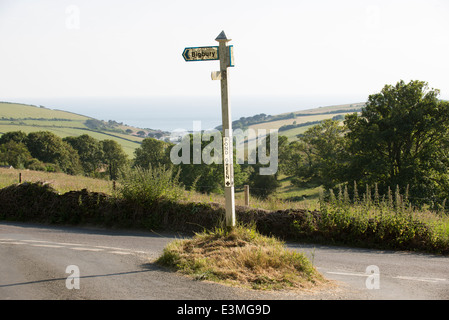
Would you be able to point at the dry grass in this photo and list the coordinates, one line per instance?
(298, 120)
(241, 257)
(61, 182)
(272, 203)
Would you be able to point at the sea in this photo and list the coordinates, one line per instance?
(169, 113)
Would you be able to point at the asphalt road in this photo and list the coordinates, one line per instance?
(36, 262)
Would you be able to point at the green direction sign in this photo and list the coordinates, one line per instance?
(207, 54)
(201, 53)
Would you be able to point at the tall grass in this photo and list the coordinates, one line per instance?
(61, 182)
(144, 186)
(382, 219)
(365, 219)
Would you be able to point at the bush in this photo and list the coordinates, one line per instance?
(389, 221)
(262, 186)
(378, 222)
(145, 186)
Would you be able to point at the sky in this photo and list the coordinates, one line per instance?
(317, 52)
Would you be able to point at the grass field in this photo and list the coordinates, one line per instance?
(61, 182)
(21, 111)
(333, 108)
(27, 118)
(304, 116)
(293, 133)
(298, 120)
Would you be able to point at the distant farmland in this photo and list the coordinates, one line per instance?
(298, 120)
(28, 118)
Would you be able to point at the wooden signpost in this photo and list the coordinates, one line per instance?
(225, 54)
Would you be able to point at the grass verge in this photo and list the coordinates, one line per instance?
(241, 257)
(386, 222)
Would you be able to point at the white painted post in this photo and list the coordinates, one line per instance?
(225, 60)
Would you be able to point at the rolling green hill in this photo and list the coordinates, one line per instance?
(293, 123)
(29, 118)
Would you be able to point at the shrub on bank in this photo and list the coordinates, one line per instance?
(351, 225)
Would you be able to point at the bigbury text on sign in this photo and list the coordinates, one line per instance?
(201, 53)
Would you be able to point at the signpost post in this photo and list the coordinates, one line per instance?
(225, 54)
(225, 62)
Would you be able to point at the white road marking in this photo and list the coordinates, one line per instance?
(111, 248)
(12, 242)
(120, 252)
(420, 279)
(69, 244)
(47, 245)
(73, 246)
(86, 249)
(349, 274)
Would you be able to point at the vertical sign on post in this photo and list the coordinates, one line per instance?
(227, 162)
(225, 54)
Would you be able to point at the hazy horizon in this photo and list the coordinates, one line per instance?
(178, 112)
(289, 55)
(134, 48)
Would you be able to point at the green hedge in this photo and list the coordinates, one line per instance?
(36, 202)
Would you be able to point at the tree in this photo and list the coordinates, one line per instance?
(201, 167)
(401, 138)
(113, 157)
(263, 185)
(318, 158)
(49, 148)
(290, 158)
(152, 152)
(90, 152)
(15, 154)
(16, 136)
(196, 175)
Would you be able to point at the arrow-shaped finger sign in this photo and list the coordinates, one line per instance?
(201, 53)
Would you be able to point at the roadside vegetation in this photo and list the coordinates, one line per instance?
(152, 199)
(241, 257)
(379, 219)
(60, 182)
(379, 179)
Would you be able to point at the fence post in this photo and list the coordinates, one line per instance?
(246, 195)
(20, 177)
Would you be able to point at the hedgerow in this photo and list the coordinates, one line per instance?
(335, 223)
